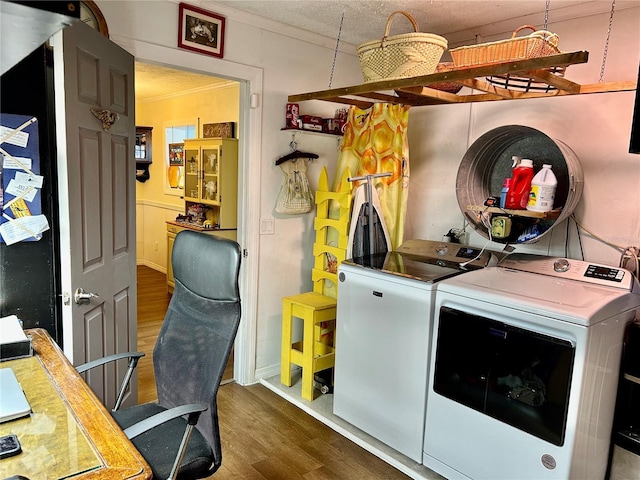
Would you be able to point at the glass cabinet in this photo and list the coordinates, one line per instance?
(211, 176)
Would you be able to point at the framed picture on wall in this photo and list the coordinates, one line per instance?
(176, 154)
(201, 31)
(175, 171)
(219, 130)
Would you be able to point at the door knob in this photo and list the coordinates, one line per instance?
(82, 298)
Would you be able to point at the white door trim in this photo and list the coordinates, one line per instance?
(250, 146)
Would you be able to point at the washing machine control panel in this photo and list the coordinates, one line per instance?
(447, 252)
(605, 273)
(561, 265)
(571, 269)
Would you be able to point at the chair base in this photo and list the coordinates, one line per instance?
(313, 353)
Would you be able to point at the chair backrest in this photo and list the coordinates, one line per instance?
(200, 326)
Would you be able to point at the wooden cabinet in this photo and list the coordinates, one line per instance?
(143, 153)
(143, 144)
(211, 177)
(173, 228)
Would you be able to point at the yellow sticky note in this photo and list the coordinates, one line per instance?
(20, 209)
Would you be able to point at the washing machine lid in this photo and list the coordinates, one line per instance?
(404, 265)
(425, 260)
(566, 296)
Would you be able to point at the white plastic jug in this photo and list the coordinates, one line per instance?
(543, 190)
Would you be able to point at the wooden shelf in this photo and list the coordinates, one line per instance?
(552, 215)
(415, 91)
(305, 130)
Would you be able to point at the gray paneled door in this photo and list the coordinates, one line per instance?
(96, 169)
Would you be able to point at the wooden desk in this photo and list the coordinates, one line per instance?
(69, 433)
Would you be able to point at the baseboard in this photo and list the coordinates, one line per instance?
(155, 266)
(267, 372)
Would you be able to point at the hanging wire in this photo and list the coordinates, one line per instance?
(335, 52)
(546, 15)
(566, 239)
(606, 44)
(597, 237)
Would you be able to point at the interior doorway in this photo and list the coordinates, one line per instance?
(156, 87)
(251, 81)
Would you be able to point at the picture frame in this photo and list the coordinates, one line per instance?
(200, 30)
(176, 154)
(219, 130)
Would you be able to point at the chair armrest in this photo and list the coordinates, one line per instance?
(109, 358)
(194, 410)
(133, 363)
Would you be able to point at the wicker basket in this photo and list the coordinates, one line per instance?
(449, 87)
(400, 56)
(538, 44)
(522, 83)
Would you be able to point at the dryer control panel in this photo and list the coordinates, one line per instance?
(572, 269)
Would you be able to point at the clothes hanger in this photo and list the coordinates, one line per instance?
(295, 154)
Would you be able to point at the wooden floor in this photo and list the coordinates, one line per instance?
(263, 435)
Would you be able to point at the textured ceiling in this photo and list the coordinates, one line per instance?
(365, 20)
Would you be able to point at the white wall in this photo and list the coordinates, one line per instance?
(596, 127)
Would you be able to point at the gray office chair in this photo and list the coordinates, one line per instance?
(189, 358)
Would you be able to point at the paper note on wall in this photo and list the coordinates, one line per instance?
(21, 217)
(24, 228)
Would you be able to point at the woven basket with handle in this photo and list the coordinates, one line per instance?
(538, 44)
(400, 56)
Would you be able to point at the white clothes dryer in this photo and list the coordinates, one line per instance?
(524, 369)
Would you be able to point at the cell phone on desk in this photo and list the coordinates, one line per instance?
(9, 446)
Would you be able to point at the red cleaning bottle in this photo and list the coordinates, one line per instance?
(518, 194)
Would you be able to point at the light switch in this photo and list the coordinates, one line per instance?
(267, 226)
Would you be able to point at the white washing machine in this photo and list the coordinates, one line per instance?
(383, 327)
(524, 369)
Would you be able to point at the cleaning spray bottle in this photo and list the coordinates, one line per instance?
(505, 190)
(520, 187)
(543, 190)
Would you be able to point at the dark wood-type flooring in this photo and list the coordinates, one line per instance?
(263, 435)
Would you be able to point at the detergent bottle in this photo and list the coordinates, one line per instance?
(505, 190)
(543, 190)
(520, 187)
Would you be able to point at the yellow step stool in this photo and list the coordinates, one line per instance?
(317, 309)
(312, 354)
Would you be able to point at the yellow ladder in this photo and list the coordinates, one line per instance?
(317, 309)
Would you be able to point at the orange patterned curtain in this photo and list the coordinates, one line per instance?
(375, 141)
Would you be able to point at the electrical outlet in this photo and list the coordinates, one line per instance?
(156, 246)
(267, 226)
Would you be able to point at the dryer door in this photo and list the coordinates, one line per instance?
(514, 375)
